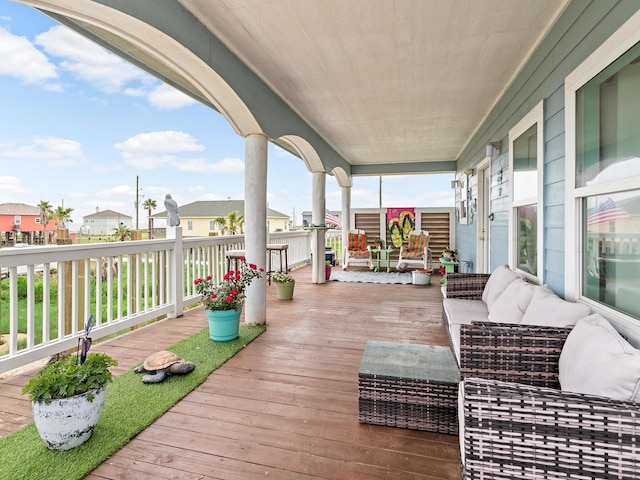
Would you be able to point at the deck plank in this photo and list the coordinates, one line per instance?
(287, 405)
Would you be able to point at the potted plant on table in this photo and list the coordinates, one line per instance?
(285, 283)
(223, 302)
(67, 396)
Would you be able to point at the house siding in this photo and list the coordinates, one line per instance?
(581, 29)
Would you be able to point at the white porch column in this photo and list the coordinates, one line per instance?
(346, 218)
(255, 221)
(318, 209)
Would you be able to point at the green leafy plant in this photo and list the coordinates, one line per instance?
(281, 277)
(449, 253)
(67, 377)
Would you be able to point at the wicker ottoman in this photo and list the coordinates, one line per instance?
(409, 386)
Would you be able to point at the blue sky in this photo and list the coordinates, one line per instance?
(79, 125)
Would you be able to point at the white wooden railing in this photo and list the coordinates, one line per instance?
(123, 284)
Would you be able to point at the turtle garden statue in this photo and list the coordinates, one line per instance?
(163, 364)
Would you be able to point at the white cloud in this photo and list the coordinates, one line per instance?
(11, 187)
(169, 149)
(56, 151)
(22, 60)
(160, 142)
(166, 97)
(90, 62)
(119, 191)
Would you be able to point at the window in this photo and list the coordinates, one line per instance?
(525, 164)
(603, 175)
(17, 219)
(212, 225)
(37, 220)
(189, 225)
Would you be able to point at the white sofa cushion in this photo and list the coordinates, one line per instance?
(511, 305)
(547, 308)
(596, 360)
(459, 311)
(498, 281)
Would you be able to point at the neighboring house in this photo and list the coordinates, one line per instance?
(198, 219)
(20, 223)
(306, 217)
(104, 222)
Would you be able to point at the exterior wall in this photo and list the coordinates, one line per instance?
(583, 27)
(200, 227)
(554, 186)
(104, 225)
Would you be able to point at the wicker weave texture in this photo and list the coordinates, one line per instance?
(526, 432)
(409, 386)
(526, 354)
(466, 285)
(419, 404)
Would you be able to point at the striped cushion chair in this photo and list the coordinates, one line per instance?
(416, 252)
(356, 252)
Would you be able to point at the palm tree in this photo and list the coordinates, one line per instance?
(149, 204)
(232, 224)
(46, 213)
(122, 232)
(62, 215)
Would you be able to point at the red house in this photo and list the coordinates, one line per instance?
(20, 223)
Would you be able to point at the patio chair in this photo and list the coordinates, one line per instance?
(416, 253)
(356, 252)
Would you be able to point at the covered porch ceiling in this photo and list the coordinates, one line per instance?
(391, 86)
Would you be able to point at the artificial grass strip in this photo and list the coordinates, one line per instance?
(130, 406)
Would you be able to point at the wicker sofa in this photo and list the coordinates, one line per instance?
(504, 296)
(516, 422)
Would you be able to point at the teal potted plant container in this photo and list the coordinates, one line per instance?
(223, 303)
(67, 398)
(285, 283)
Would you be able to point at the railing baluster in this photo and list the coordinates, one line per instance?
(163, 285)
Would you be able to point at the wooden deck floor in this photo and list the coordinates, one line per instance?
(286, 406)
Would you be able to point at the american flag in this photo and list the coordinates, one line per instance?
(332, 219)
(607, 211)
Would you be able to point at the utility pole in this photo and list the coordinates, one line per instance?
(137, 204)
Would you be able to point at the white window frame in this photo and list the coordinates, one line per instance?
(534, 117)
(615, 46)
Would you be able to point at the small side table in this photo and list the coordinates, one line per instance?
(234, 256)
(379, 252)
(449, 265)
(409, 386)
(281, 249)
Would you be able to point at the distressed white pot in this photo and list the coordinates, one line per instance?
(66, 423)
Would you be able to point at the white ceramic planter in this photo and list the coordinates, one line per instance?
(68, 422)
(420, 277)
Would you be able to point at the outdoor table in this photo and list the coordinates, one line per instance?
(449, 265)
(409, 386)
(234, 256)
(283, 266)
(379, 252)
